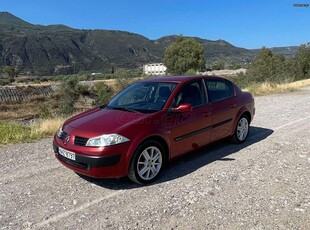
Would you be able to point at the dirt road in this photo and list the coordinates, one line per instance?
(261, 184)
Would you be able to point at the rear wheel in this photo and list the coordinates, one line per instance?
(147, 162)
(242, 130)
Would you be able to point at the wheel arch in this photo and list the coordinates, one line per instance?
(163, 142)
(242, 111)
(156, 138)
(248, 114)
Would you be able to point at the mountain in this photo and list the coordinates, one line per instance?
(59, 49)
(288, 51)
(7, 19)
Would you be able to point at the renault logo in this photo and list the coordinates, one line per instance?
(66, 140)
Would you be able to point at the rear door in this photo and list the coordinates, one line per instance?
(224, 107)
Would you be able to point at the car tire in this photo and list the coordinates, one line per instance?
(242, 130)
(147, 162)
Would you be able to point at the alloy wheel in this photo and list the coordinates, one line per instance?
(149, 163)
(242, 129)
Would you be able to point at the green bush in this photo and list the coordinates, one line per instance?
(4, 82)
(82, 89)
(190, 72)
(301, 63)
(44, 111)
(218, 66)
(268, 67)
(85, 77)
(274, 68)
(241, 80)
(234, 66)
(69, 94)
(104, 93)
(125, 78)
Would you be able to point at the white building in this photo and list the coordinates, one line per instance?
(154, 69)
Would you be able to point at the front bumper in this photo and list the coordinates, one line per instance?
(87, 162)
(93, 166)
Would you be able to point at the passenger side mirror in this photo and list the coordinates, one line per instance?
(183, 108)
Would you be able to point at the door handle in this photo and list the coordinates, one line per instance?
(233, 105)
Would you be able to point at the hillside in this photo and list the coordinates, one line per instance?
(288, 52)
(58, 49)
(219, 50)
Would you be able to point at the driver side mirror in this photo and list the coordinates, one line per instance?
(183, 108)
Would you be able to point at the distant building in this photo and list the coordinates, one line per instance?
(154, 69)
(94, 74)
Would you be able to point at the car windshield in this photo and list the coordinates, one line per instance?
(143, 97)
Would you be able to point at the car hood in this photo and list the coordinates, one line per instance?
(104, 121)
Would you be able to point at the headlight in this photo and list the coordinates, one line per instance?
(60, 132)
(106, 140)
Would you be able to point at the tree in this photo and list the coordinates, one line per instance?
(11, 72)
(183, 55)
(274, 68)
(69, 95)
(302, 63)
(268, 67)
(218, 65)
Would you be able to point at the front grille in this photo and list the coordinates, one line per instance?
(74, 163)
(80, 141)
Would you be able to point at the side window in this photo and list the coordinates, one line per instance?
(230, 89)
(192, 93)
(219, 89)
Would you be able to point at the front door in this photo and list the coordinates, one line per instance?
(191, 129)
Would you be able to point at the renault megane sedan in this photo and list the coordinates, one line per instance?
(151, 122)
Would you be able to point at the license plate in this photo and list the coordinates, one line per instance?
(66, 153)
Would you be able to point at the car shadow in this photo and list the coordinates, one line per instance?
(192, 161)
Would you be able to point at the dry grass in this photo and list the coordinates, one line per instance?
(265, 88)
(47, 127)
(15, 110)
(14, 133)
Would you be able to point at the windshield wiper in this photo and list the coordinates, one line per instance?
(124, 109)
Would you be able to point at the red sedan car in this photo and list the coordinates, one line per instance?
(152, 122)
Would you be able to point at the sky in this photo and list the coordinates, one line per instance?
(243, 23)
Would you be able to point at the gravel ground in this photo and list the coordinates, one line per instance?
(261, 184)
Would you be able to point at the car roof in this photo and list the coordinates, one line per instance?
(179, 79)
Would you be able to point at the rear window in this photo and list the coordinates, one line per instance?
(219, 89)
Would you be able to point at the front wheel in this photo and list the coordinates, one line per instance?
(147, 162)
(242, 130)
